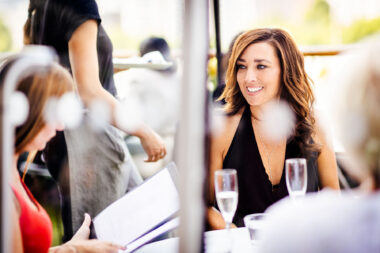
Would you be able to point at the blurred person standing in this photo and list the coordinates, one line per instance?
(156, 92)
(100, 167)
(266, 67)
(347, 222)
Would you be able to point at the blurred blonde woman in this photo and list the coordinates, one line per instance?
(32, 227)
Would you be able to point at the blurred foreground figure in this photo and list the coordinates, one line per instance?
(32, 229)
(266, 70)
(156, 93)
(100, 167)
(350, 222)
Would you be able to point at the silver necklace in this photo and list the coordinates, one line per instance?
(268, 156)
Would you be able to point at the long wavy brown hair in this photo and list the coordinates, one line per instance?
(38, 87)
(295, 87)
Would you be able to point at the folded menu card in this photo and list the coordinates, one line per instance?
(142, 214)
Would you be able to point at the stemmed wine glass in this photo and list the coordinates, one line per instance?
(226, 191)
(296, 176)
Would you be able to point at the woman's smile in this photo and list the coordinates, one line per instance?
(253, 90)
(259, 74)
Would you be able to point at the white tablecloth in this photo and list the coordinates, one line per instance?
(215, 241)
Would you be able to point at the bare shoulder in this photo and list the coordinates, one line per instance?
(222, 138)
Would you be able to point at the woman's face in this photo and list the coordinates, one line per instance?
(259, 74)
(46, 133)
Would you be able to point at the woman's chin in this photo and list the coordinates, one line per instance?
(253, 103)
(41, 147)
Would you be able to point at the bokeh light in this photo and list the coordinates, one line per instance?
(69, 110)
(128, 116)
(217, 120)
(100, 114)
(278, 120)
(66, 110)
(50, 111)
(19, 105)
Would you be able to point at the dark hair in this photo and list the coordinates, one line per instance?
(33, 27)
(157, 44)
(295, 86)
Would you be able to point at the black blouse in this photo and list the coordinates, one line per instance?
(255, 188)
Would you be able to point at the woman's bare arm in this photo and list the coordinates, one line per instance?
(84, 65)
(220, 143)
(16, 231)
(327, 165)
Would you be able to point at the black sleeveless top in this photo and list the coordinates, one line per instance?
(255, 188)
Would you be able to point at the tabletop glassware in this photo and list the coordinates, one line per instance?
(254, 222)
(226, 191)
(296, 176)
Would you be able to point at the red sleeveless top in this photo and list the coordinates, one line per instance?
(35, 225)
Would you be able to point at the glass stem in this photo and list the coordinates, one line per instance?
(228, 226)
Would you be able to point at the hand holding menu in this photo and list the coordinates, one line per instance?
(140, 212)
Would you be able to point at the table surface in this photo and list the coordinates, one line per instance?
(215, 241)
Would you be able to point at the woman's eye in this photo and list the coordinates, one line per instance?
(239, 66)
(260, 66)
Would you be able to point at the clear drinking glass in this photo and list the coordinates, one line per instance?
(296, 176)
(226, 191)
(254, 222)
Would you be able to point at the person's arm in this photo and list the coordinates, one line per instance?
(327, 165)
(214, 217)
(16, 232)
(220, 143)
(81, 243)
(85, 69)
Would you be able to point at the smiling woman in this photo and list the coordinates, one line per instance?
(266, 67)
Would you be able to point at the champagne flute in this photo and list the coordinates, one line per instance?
(226, 191)
(296, 176)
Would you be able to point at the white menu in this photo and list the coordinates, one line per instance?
(139, 211)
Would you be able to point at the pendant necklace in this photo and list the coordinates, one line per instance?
(268, 156)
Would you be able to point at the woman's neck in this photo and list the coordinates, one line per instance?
(256, 112)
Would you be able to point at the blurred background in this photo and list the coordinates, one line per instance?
(315, 24)
(129, 21)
